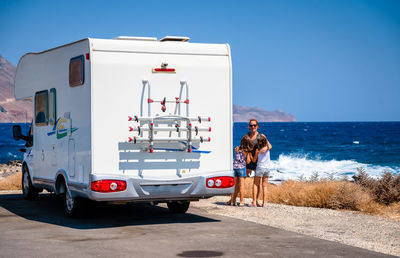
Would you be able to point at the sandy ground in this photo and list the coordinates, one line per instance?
(347, 227)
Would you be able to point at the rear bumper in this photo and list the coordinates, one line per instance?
(150, 190)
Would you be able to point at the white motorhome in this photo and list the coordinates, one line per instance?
(128, 119)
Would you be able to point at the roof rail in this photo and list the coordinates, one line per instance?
(136, 38)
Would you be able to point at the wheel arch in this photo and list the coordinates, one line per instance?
(25, 165)
(61, 182)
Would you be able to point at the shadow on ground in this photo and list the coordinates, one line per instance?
(48, 208)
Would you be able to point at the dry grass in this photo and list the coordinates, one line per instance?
(12, 182)
(328, 194)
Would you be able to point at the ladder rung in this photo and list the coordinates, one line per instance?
(171, 119)
(168, 139)
(168, 129)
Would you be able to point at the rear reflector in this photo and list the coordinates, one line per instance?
(108, 186)
(220, 182)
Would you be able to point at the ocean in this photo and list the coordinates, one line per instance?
(302, 149)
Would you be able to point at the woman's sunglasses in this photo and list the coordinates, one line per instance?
(253, 125)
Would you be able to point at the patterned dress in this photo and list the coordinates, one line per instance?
(240, 160)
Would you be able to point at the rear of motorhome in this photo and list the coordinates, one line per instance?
(128, 119)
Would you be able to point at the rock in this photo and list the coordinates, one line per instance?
(244, 114)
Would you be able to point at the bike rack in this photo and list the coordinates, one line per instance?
(147, 123)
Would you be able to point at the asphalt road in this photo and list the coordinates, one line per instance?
(40, 229)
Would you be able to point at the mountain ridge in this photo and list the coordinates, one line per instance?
(11, 110)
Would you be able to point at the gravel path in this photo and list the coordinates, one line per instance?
(350, 228)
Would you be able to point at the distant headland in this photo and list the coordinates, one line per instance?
(244, 114)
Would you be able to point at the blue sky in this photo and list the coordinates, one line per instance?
(318, 60)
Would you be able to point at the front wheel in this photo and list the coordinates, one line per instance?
(28, 190)
(73, 206)
(178, 206)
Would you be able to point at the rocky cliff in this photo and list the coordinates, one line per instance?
(244, 114)
(11, 111)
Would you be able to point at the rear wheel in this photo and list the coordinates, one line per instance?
(178, 206)
(28, 190)
(73, 206)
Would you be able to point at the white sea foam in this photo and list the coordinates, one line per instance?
(11, 155)
(296, 166)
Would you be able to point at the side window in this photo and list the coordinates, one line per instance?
(41, 108)
(52, 106)
(76, 71)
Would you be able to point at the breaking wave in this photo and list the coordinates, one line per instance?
(295, 166)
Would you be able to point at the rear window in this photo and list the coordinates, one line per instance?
(76, 71)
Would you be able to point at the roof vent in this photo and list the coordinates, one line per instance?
(136, 38)
(174, 38)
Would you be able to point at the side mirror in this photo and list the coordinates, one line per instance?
(17, 132)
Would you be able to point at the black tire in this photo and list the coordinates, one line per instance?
(178, 207)
(73, 206)
(28, 190)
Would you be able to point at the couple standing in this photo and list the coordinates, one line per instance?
(252, 155)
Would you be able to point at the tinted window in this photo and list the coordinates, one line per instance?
(76, 71)
(41, 108)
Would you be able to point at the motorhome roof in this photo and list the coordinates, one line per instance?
(167, 45)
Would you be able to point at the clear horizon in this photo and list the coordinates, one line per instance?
(322, 61)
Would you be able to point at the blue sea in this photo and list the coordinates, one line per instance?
(301, 149)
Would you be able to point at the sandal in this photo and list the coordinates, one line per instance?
(252, 205)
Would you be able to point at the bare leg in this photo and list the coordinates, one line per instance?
(264, 184)
(241, 189)
(259, 191)
(256, 189)
(235, 193)
(248, 171)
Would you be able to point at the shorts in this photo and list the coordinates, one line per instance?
(251, 165)
(262, 172)
(239, 172)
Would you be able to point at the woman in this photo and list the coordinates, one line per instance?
(254, 136)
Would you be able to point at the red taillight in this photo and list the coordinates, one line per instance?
(108, 186)
(87, 56)
(220, 182)
(169, 70)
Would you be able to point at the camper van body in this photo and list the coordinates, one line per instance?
(91, 98)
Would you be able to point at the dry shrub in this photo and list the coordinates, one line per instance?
(385, 190)
(12, 182)
(318, 194)
(350, 196)
(322, 194)
(365, 194)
